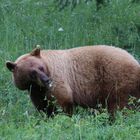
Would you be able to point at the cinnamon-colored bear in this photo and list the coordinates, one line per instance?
(84, 76)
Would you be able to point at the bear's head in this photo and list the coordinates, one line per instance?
(29, 69)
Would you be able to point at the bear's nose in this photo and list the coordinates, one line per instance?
(45, 79)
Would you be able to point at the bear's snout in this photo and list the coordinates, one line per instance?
(41, 79)
(45, 79)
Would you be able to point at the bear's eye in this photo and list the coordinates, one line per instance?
(41, 69)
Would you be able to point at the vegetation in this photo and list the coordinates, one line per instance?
(25, 23)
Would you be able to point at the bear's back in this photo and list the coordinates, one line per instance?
(102, 51)
(99, 70)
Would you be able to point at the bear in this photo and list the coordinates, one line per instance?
(84, 76)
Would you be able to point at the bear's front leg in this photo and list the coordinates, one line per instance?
(64, 97)
(40, 101)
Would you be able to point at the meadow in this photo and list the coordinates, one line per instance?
(25, 23)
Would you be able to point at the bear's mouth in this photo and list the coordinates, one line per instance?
(45, 81)
(42, 83)
(48, 84)
(41, 79)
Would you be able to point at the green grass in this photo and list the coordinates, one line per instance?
(23, 24)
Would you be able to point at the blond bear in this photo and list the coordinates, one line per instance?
(85, 76)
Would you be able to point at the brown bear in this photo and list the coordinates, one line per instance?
(84, 76)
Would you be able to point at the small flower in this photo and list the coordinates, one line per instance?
(60, 29)
(3, 112)
(26, 113)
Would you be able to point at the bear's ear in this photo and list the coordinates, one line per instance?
(36, 51)
(10, 65)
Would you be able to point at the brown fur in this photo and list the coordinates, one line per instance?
(82, 76)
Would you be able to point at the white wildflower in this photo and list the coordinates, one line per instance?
(60, 29)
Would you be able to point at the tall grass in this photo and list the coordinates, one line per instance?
(26, 23)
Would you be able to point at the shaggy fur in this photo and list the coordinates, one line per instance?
(82, 76)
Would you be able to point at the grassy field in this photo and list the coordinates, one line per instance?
(25, 23)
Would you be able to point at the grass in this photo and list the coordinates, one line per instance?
(25, 23)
